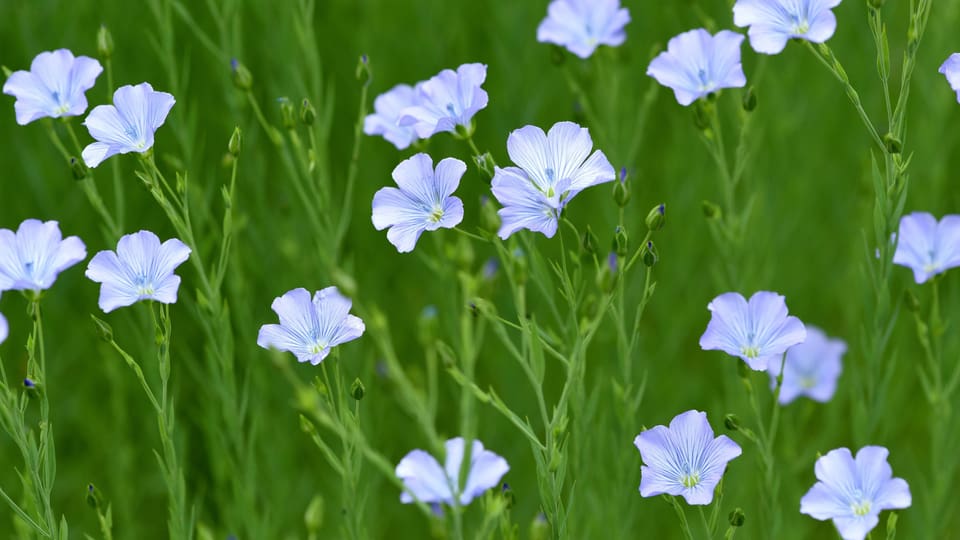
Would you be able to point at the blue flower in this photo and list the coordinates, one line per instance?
(927, 247)
(424, 478)
(31, 258)
(853, 492)
(128, 124)
(554, 167)
(696, 64)
(773, 22)
(385, 120)
(684, 459)
(449, 99)
(951, 70)
(811, 369)
(423, 202)
(582, 25)
(309, 329)
(54, 86)
(141, 269)
(4, 329)
(759, 332)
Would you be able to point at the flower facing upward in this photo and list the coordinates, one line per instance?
(758, 331)
(853, 492)
(582, 25)
(423, 476)
(31, 258)
(141, 269)
(553, 168)
(927, 247)
(773, 22)
(449, 99)
(422, 203)
(684, 459)
(53, 87)
(951, 70)
(384, 120)
(310, 328)
(696, 64)
(128, 124)
(811, 369)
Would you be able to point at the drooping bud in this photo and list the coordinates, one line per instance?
(357, 390)
(78, 168)
(31, 387)
(236, 140)
(737, 518)
(307, 113)
(650, 256)
(876, 4)
(508, 495)
(657, 217)
(749, 99)
(104, 43)
(620, 241)
(242, 78)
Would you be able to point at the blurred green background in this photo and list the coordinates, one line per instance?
(808, 239)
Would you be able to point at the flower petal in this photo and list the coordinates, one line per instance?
(423, 476)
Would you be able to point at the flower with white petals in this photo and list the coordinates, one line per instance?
(310, 328)
(583, 25)
(773, 22)
(54, 87)
(696, 64)
(128, 125)
(449, 99)
(386, 117)
(424, 478)
(31, 258)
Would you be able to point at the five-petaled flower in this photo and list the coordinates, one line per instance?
(951, 70)
(926, 246)
(582, 25)
(553, 168)
(773, 22)
(424, 201)
(54, 86)
(127, 125)
(684, 459)
(758, 331)
(385, 119)
(425, 479)
(141, 269)
(811, 368)
(449, 99)
(310, 328)
(853, 492)
(31, 258)
(696, 64)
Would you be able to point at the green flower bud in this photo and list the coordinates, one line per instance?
(357, 390)
(893, 144)
(242, 78)
(104, 42)
(620, 241)
(589, 242)
(875, 4)
(287, 115)
(539, 528)
(650, 256)
(307, 113)
(313, 517)
(486, 164)
(749, 99)
(104, 331)
(732, 422)
(235, 142)
(621, 190)
(363, 71)
(711, 210)
(737, 518)
(78, 168)
(656, 217)
(31, 387)
(93, 496)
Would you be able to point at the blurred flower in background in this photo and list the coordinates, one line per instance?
(449, 99)
(385, 120)
(951, 70)
(811, 368)
(31, 258)
(696, 64)
(926, 246)
(423, 476)
(583, 25)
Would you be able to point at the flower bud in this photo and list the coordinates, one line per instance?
(242, 78)
(732, 422)
(357, 390)
(539, 528)
(313, 517)
(875, 4)
(650, 256)
(737, 518)
(78, 168)
(486, 164)
(287, 114)
(711, 210)
(620, 241)
(31, 387)
(657, 218)
(589, 242)
(508, 495)
(621, 190)
(93, 496)
(893, 144)
(363, 72)
(104, 42)
(236, 139)
(607, 276)
(104, 331)
(307, 113)
(749, 99)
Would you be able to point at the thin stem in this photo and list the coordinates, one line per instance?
(684, 525)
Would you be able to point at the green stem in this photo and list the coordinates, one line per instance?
(684, 525)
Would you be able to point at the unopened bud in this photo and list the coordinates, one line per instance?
(657, 217)
(93, 496)
(313, 517)
(620, 241)
(104, 42)
(31, 387)
(242, 78)
(621, 190)
(104, 331)
(539, 528)
(357, 390)
(893, 144)
(875, 4)
(363, 72)
(650, 256)
(78, 169)
(589, 242)
(749, 99)
(486, 164)
(711, 210)
(508, 495)
(307, 113)
(737, 518)
(287, 115)
(731, 422)
(236, 140)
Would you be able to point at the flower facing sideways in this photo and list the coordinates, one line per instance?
(951, 70)
(758, 331)
(582, 25)
(811, 368)
(424, 478)
(127, 125)
(773, 22)
(385, 119)
(310, 328)
(141, 269)
(853, 492)
(31, 258)
(423, 202)
(54, 86)
(684, 459)
(449, 99)
(926, 246)
(696, 64)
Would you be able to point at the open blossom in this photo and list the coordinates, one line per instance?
(926, 246)
(423, 202)
(141, 269)
(31, 258)
(758, 331)
(951, 70)
(386, 117)
(773, 22)
(696, 64)
(553, 168)
(449, 99)
(853, 492)
(811, 368)
(684, 459)
(310, 328)
(423, 476)
(582, 25)
(127, 125)
(53, 87)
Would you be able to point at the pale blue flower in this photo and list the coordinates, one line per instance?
(696, 64)
(127, 125)
(424, 201)
(684, 459)
(773, 22)
(31, 258)
(4, 329)
(853, 492)
(759, 332)
(951, 70)
(553, 168)
(926, 246)
(141, 269)
(424, 478)
(449, 99)
(582, 25)
(811, 368)
(54, 87)
(310, 328)
(386, 117)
